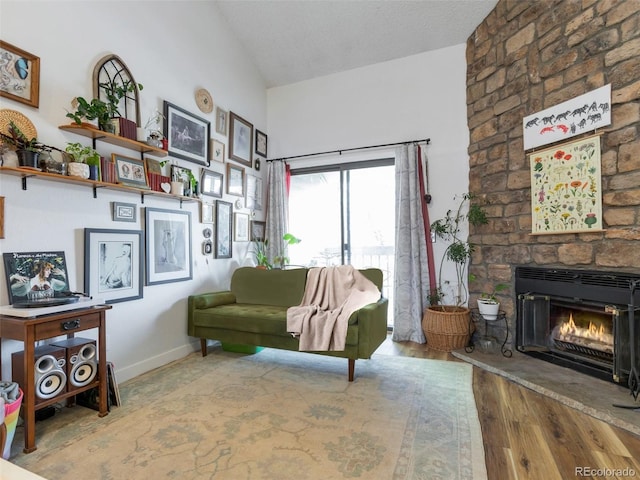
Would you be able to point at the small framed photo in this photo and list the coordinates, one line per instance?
(261, 143)
(240, 139)
(254, 192)
(235, 180)
(153, 166)
(258, 230)
(168, 246)
(221, 121)
(206, 212)
(20, 75)
(124, 212)
(113, 262)
(211, 183)
(217, 151)
(224, 229)
(241, 227)
(188, 135)
(130, 171)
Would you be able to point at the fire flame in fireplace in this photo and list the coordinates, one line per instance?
(593, 336)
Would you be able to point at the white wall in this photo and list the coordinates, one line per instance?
(172, 48)
(421, 96)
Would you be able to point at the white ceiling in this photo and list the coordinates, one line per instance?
(295, 40)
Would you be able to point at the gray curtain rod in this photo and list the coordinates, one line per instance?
(427, 140)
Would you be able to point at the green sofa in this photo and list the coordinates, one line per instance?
(254, 312)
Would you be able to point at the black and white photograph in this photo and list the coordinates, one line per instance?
(241, 227)
(254, 192)
(240, 140)
(188, 134)
(113, 264)
(235, 180)
(261, 143)
(221, 121)
(168, 246)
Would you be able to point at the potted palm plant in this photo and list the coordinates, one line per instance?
(447, 327)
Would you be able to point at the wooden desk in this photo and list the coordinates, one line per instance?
(30, 330)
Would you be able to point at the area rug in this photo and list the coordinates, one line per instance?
(273, 415)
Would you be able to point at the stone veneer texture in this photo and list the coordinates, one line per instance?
(525, 57)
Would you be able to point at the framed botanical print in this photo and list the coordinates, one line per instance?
(168, 246)
(241, 227)
(240, 140)
(217, 151)
(113, 262)
(224, 229)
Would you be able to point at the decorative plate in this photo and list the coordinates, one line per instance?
(21, 121)
(204, 100)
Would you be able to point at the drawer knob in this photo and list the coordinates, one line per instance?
(71, 324)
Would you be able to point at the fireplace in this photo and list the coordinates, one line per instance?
(580, 319)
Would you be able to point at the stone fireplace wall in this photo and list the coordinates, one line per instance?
(527, 56)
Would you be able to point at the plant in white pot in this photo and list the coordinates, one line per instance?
(447, 327)
(84, 158)
(488, 303)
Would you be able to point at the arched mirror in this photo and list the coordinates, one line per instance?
(113, 83)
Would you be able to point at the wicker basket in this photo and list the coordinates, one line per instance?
(447, 327)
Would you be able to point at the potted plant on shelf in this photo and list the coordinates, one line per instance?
(99, 110)
(447, 327)
(86, 161)
(27, 150)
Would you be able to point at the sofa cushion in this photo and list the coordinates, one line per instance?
(282, 288)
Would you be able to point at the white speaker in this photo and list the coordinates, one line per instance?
(82, 361)
(50, 378)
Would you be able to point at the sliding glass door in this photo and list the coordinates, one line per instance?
(344, 215)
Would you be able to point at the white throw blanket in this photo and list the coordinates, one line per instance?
(331, 295)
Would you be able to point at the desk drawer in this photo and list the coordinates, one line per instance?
(68, 325)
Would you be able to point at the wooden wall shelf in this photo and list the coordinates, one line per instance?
(26, 173)
(107, 137)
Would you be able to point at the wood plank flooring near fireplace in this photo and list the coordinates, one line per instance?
(530, 436)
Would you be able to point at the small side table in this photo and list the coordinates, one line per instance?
(477, 318)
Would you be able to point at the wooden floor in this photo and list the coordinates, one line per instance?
(530, 436)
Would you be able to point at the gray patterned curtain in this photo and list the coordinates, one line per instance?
(411, 272)
(277, 207)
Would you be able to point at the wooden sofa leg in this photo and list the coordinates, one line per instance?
(203, 346)
(352, 367)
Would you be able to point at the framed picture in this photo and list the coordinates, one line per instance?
(235, 180)
(1, 217)
(206, 212)
(211, 183)
(261, 143)
(187, 134)
(254, 192)
(21, 82)
(223, 227)
(182, 174)
(124, 212)
(130, 171)
(168, 246)
(221, 121)
(240, 139)
(217, 151)
(241, 227)
(35, 276)
(113, 264)
(258, 230)
(153, 166)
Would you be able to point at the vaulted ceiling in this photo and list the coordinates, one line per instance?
(295, 40)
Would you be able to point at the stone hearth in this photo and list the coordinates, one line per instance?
(585, 393)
